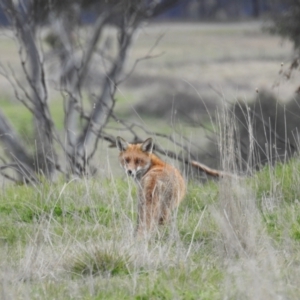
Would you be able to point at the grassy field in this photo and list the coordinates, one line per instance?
(232, 59)
(237, 238)
(233, 239)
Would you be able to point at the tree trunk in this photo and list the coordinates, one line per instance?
(104, 105)
(42, 123)
(45, 156)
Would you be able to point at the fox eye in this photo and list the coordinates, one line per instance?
(127, 160)
(138, 161)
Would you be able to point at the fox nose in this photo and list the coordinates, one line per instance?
(129, 172)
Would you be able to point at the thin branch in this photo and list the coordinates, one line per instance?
(136, 63)
(8, 176)
(168, 137)
(20, 86)
(104, 104)
(15, 167)
(98, 28)
(146, 57)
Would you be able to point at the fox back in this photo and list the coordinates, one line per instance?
(160, 185)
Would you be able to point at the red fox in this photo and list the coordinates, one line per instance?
(160, 186)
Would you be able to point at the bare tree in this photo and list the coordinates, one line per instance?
(83, 127)
(25, 31)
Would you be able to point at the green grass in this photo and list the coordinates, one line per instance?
(75, 241)
(19, 116)
(281, 182)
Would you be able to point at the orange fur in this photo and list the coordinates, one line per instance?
(160, 186)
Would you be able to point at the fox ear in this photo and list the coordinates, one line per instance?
(122, 145)
(147, 146)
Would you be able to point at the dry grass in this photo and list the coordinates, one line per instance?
(233, 239)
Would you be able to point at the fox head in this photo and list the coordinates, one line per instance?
(135, 159)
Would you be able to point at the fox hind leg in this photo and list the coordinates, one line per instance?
(164, 215)
(148, 215)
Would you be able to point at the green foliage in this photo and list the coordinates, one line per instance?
(199, 197)
(68, 204)
(8, 233)
(278, 193)
(101, 262)
(182, 283)
(280, 182)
